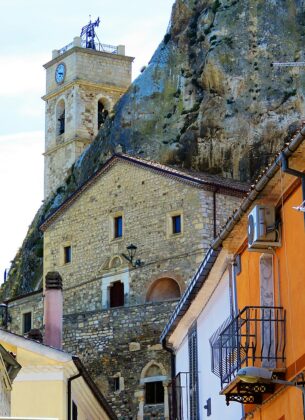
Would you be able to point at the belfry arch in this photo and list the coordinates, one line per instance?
(102, 111)
(60, 117)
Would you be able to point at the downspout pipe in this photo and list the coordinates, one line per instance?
(298, 174)
(69, 393)
(173, 377)
(214, 213)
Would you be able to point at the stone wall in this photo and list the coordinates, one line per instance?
(94, 66)
(90, 76)
(146, 200)
(32, 303)
(81, 126)
(120, 342)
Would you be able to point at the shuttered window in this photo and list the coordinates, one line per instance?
(193, 368)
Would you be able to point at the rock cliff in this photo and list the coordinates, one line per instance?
(210, 99)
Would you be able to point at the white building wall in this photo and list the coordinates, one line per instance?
(213, 315)
(182, 366)
(216, 311)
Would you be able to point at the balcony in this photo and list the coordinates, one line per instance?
(255, 337)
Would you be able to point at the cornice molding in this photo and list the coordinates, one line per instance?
(84, 83)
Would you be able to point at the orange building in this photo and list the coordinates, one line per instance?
(262, 250)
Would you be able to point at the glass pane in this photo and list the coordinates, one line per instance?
(118, 227)
(67, 251)
(154, 392)
(176, 224)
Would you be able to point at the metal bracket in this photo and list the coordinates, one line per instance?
(208, 407)
(293, 172)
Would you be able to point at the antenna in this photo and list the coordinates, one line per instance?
(280, 65)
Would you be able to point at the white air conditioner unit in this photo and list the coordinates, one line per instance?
(262, 232)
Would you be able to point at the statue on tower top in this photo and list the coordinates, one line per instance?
(88, 33)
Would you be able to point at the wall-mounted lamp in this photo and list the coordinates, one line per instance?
(253, 374)
(132, 249)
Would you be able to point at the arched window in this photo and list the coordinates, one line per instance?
(116, 294)
(60, 117)
(163, 289)
(101, 113)
(154, 388)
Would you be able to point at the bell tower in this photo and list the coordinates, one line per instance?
(84, 80)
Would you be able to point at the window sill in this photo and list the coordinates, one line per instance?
(175, 235)
(119, 239)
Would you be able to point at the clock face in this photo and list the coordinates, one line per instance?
(60, 73)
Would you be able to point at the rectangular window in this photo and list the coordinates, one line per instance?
(193, 367)
(118, 226)
(154, 392)
(74, 411)
(176, 223)
(26, 322)
(115, 383)
(67, 254)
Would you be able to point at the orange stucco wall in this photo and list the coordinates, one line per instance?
(287, 406)
(291, 279)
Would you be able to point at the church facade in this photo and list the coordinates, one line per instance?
(115, 305)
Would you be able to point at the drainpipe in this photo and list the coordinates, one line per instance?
(173, 377)
(69, 393)
(214, 213)
(298, 174)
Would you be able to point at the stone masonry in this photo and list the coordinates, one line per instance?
(120, 345)
(90, 76)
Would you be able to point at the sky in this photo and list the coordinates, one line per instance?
(29, 31)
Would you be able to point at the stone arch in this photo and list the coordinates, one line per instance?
(164, 288)
(153, 376)
(103, 109)
(60, 115)
(147, 368)
(115, 262)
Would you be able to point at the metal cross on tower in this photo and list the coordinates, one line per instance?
(88, 32)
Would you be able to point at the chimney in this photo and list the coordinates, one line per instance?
(53, 309)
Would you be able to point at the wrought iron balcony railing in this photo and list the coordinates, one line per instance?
(255, 337)
(111, 49)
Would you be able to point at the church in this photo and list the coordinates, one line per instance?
(123, 247)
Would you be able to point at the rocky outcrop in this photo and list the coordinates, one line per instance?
(210, 99)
